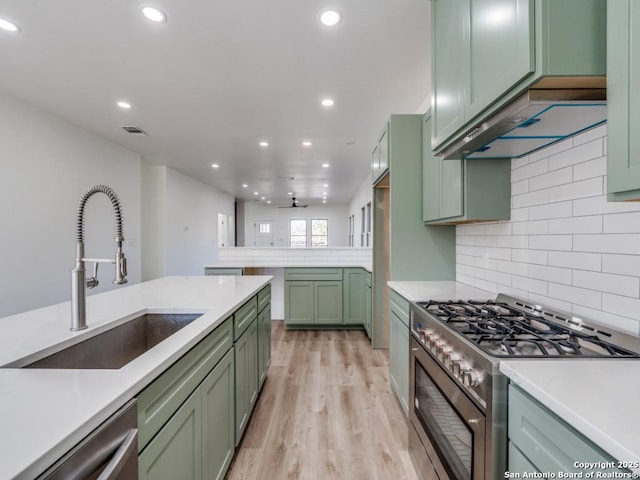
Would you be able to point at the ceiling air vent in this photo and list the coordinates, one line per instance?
(134, 130)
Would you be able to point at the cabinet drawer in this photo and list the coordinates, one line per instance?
(399, 306)
(158, 402)
(549, 443)
(313, 274)
(264, 297)
(223, 271)
(244, 316)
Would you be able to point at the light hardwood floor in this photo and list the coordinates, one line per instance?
(326, 412)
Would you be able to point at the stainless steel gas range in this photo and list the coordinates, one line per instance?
(458, 397)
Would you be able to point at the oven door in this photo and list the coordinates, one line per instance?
(450, 427)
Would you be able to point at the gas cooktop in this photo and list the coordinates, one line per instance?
(509, 328)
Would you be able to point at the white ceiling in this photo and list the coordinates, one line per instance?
(221, 75)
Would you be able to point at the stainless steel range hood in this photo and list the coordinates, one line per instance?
(534, 120)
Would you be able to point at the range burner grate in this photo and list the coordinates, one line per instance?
(502, 330)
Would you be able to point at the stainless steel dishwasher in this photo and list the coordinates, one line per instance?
(110, 452)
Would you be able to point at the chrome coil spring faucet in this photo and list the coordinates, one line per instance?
(78, 281)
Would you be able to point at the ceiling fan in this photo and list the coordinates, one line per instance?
(294, 204)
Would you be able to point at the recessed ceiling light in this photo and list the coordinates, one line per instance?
(324, 201)
(215, 165)
(324, 193)
(263, 198)
(306, 143)
(244, 185)
(330, 18)
(154, 14)
(268, 201)
(327, 102)
(289, 193)
(123, 104)
(325, 165)
(8, 26)
(256, 193)
(264, 144)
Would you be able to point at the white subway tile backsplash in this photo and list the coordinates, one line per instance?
(551, 179)
(513, 241)
(552, 274)
(552, 150)
(599, 205)
(591, 224)
(520, 187)
(624, 324)
(577, 154)
(606, 282)
(551, 210)
(621, 264)
(590, 169)
(539, 197)
(530, 256)
(575, 295)
(622, 223)
(565, 246)
(608, 243)
(589, 135)
(581, 261)
(619, 305)
(532, 227)
(584, 188)
(551, 242)
(529, 284)
(530, 170)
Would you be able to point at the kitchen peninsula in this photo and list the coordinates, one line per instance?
(48, 411)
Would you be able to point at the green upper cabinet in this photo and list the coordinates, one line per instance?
(461, 191)
(623, 101)
(380, 156)
(486, 52)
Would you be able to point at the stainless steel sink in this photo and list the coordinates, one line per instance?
(115, 348)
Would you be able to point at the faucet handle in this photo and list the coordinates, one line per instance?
(92, 282)
(121, 269)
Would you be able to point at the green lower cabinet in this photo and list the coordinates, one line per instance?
(218, 420)
(316, 302)
(198, 440)
(541, 441)
(176, 451)
(246, 382)
(353, 296)
(264, 343)
(399, 360)
(328, 302)
(368, 306)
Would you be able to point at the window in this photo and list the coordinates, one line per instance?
(352, 226)
(320, 233)
(298, 233)
(369, 224)
(362, 226)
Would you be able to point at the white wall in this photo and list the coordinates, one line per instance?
(362, 197)
(336, 214)
(47, 164)
(565, 245)
(180, 222)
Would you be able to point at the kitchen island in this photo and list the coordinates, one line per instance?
(45, 412)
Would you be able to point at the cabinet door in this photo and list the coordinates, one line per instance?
(246, 351)
(264, 342)
(368, 311)
(399, 360)
(383, 149)
(298, 302)
(501, 47)
(430, 174)
(375, 164)
(449, 67)
(327, 302)
(218, 423)
(623, 100)
(176, 451)
(451, 188)
(353, 296)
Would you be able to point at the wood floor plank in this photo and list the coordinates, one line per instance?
(326, 412)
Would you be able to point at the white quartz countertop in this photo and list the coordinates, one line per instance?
(44, 412)
(599, 398)
(444, 290)
(287, 263)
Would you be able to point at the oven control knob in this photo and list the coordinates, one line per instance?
(455, 365)
(470, 378)
(433, 342)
